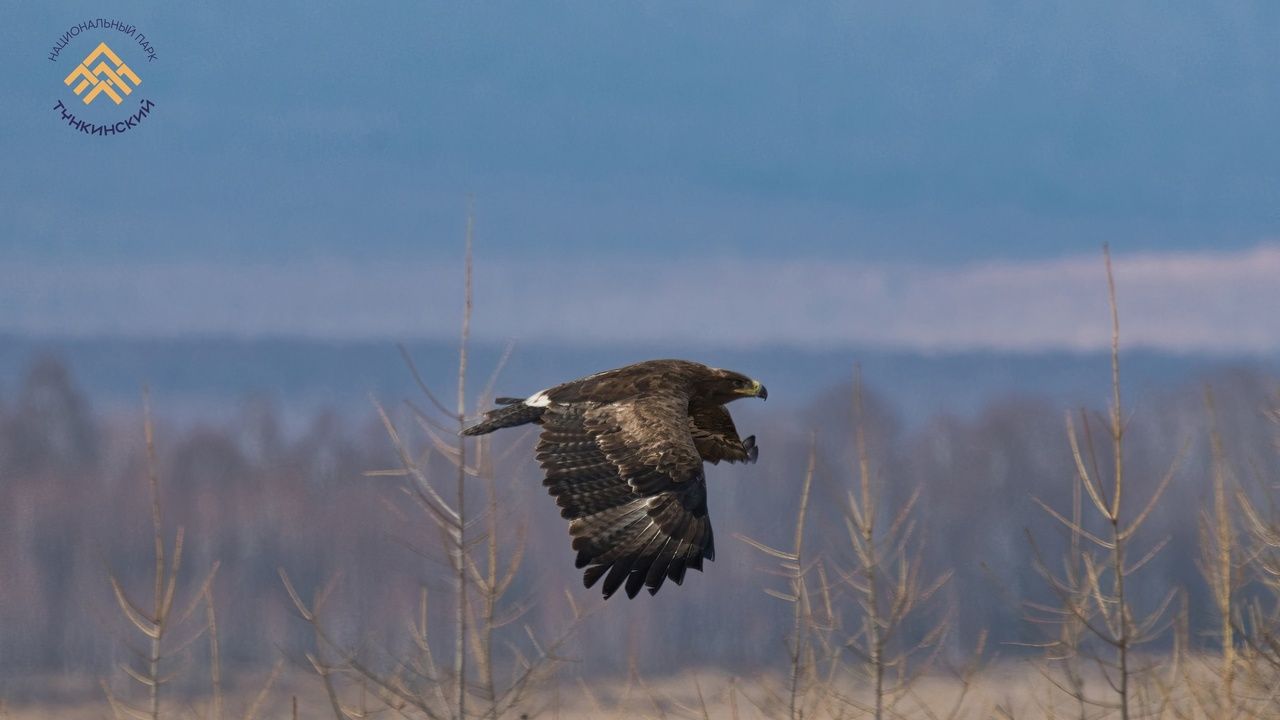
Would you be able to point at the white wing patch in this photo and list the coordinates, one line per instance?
(538, 399)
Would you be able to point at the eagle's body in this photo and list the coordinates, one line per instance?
(623, 453)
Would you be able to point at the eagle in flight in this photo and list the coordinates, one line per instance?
(623, 452)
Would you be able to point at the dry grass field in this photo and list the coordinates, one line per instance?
(1012, 689)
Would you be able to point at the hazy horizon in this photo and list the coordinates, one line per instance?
(1184, 302)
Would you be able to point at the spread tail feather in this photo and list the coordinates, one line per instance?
(517, 413)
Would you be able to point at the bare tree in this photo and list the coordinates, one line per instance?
(860, 627)
(1257, 622)
(483, 565)
(1221, 563)
(809, 646)
(888, 585)
(1095, 600)
(157, 621)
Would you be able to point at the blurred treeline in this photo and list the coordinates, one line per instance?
(256, 497)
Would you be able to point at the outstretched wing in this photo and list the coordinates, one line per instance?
(716, 437)
(629, 478)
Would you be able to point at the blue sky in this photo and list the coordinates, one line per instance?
(599, 137)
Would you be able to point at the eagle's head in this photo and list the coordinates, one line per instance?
(726, 385)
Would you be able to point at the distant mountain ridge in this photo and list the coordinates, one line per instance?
(198, 376)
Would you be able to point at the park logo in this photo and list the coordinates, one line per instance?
(105, 81)
(110, 75)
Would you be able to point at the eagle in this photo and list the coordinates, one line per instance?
(623, 453)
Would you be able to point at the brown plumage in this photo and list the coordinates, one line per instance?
(622, 451)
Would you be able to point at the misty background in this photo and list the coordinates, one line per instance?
(921, 189)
